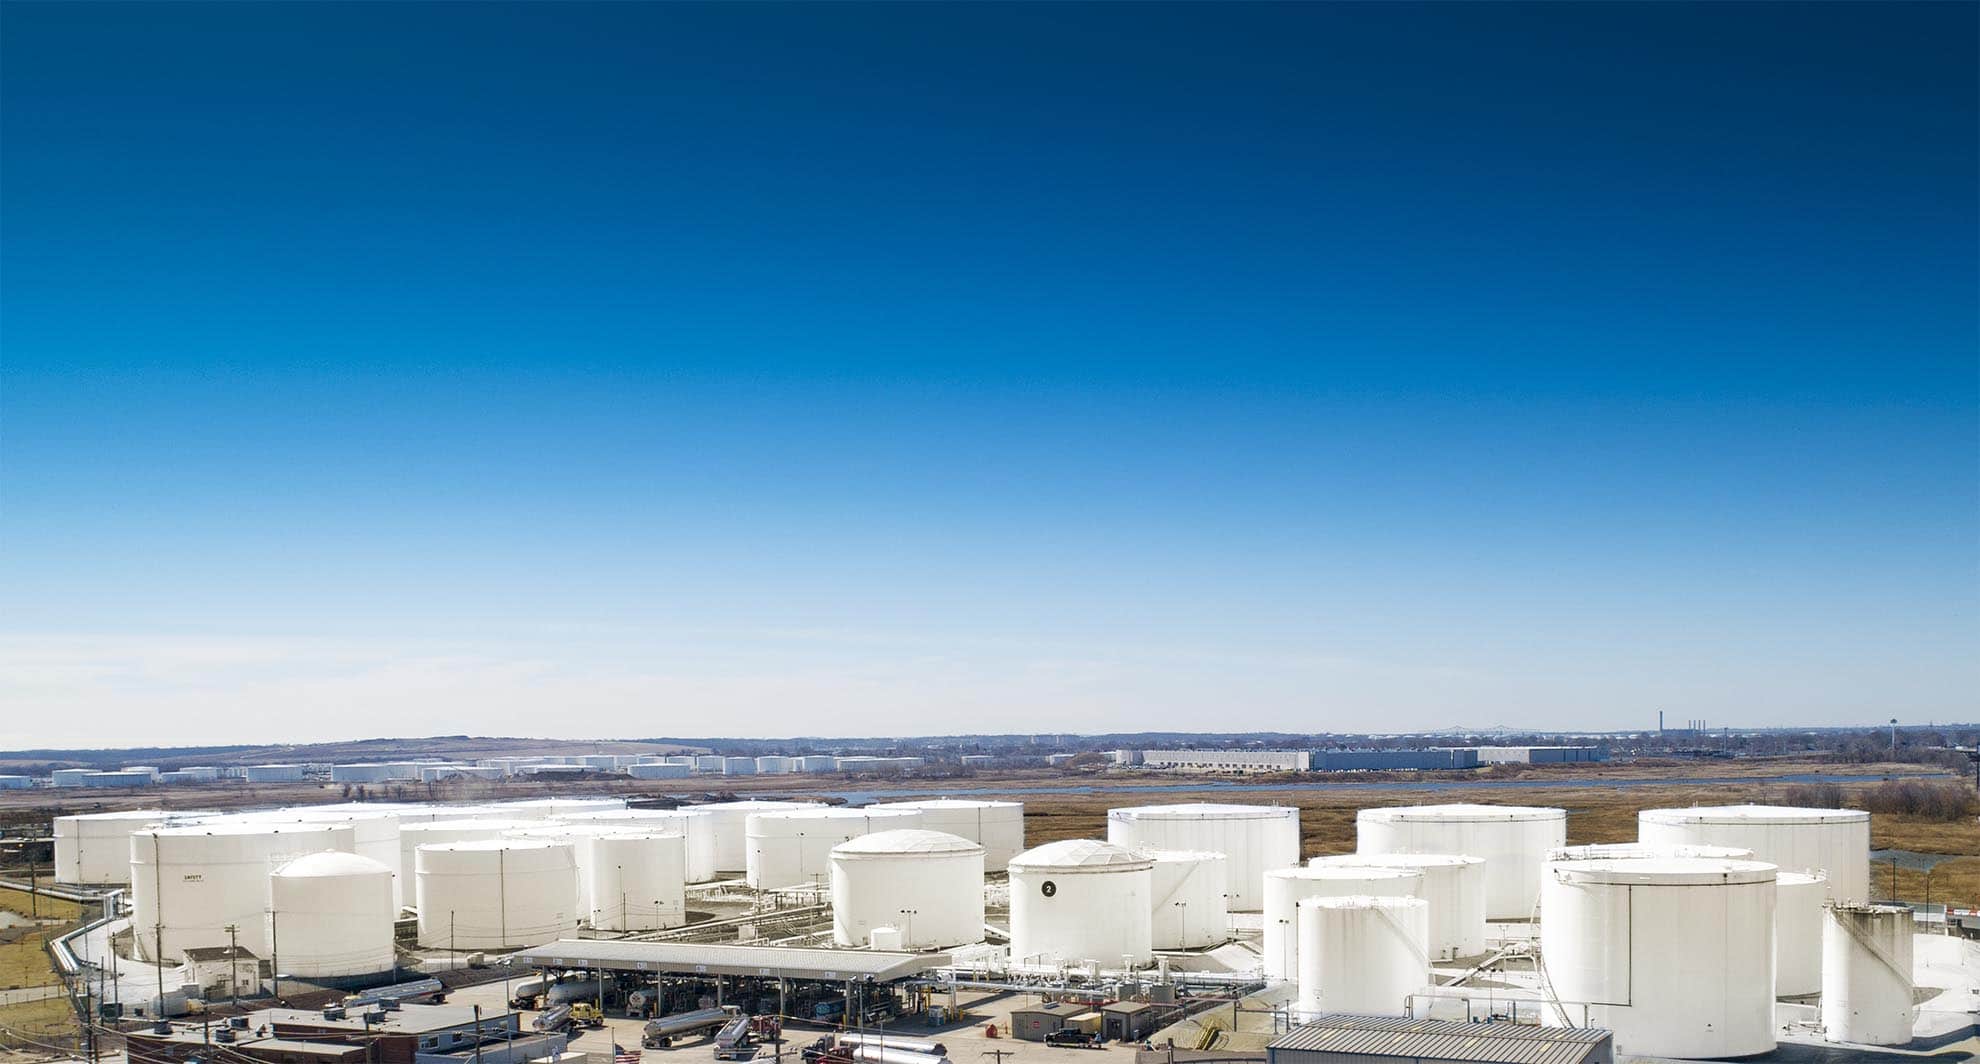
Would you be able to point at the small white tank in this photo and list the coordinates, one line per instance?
(1513, 840)
(439, 832)
(1832, 841)
(495, 894)
(1454, 887)
(1362, 954)
(1673, 954)
(188, 884)
(1867, 974)
(1798, 901)
(330, 915)
(1080, 899)
(730, 826)
(638, 881)
(1256, 839)
(996, 826)
(698, 827)
(1187, 907)
(793, 847)
(1285, 888)
(927, 884)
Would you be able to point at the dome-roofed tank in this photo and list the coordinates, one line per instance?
(1513, 840)
(927, 884)
(997, 826)
(495, 894)
(1362, 954)
(1454, 887)
(1080, 899)
(1835, 842)
(332, 915)
(188, 884)
(1285, 888)
(793, 847)
(1255, 838)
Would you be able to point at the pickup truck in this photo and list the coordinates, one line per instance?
(1068, 1037)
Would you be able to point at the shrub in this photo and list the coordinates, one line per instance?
(1930, 800)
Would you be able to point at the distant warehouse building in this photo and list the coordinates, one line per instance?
(1228, 760)
(15, 783)
(1538, 755)
(1349, 1038)
(660, 772)
(1373, 760)
(274, 773)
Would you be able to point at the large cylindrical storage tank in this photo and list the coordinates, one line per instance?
(189, 883)
(698, 827)
(1362, 954)
(1832, 841)
(638, 881)
(439, 832)
(374, 832)
(1798, 901)
(1285, 888)
(94, 849)
(793, 847)
(1080, 899)
(1513, 840)
(1867, 974)
(1453, 885)
(1675, 955)
(1256, 838)
(577, 834)
(1186, 907)
(928, 884)
(495, 894)
(730, 826)
(331, 914)
(998, 827)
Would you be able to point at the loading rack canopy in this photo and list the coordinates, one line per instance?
(700, 958)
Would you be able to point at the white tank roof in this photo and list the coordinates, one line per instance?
(1370, 872)
(1205, 811)
(1668, 871)
(1747, 814)
(332, 863)
(1392, 860)
(1464, 813)
(1181, 856)
(492, 844)
(1081, 854)
(1799, 879)
(237, 827)
(905, 840)
(947, 803)
(1596, 851)
(750, 805)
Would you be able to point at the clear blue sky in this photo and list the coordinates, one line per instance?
(752, 369)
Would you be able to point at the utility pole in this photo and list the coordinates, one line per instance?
(275, 954)
(234, 964)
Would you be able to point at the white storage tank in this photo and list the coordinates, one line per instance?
(995, 825)
(331, 915)
(1285, 888)
(698, 827)
(1186, 909)
(1798, 901)
(495, 894)
(1080, 899)
(1597, 851)
(576, 833)
(439, 832)
(638, 881)
(1675, 955)
(94, 849)
(374, 832)
(1867, 974)
(1454, 887)
(793, 847)
(731, 827)
(1513, 840)
(1362, 954)
(551, 808)
(1832, 841)
(1256, 838)
(928, 884)
(189, 883)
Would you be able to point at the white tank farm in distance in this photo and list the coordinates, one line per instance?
(1867, 974)
(1080, 900)
(926, 884)
(1454, 887)
(793, 847)
(730, 825)
(1362, 954)
(495, 894)
(1186, 909)
(1513, 840)
(189, 883)
(94, 849)
(1256, 838)
(1835, 842)
(331, 915)
(638, 881)
(1285, 888)
(996, 826)
(1675, 955)
(437, 832)
(698, 827)
(1798, 901)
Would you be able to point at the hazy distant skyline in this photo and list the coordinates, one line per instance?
(909, 369)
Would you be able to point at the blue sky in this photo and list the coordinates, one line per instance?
(757, 369)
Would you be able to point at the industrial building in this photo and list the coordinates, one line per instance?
(1346, 1038)
(1228, 760)
(1377, 760)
